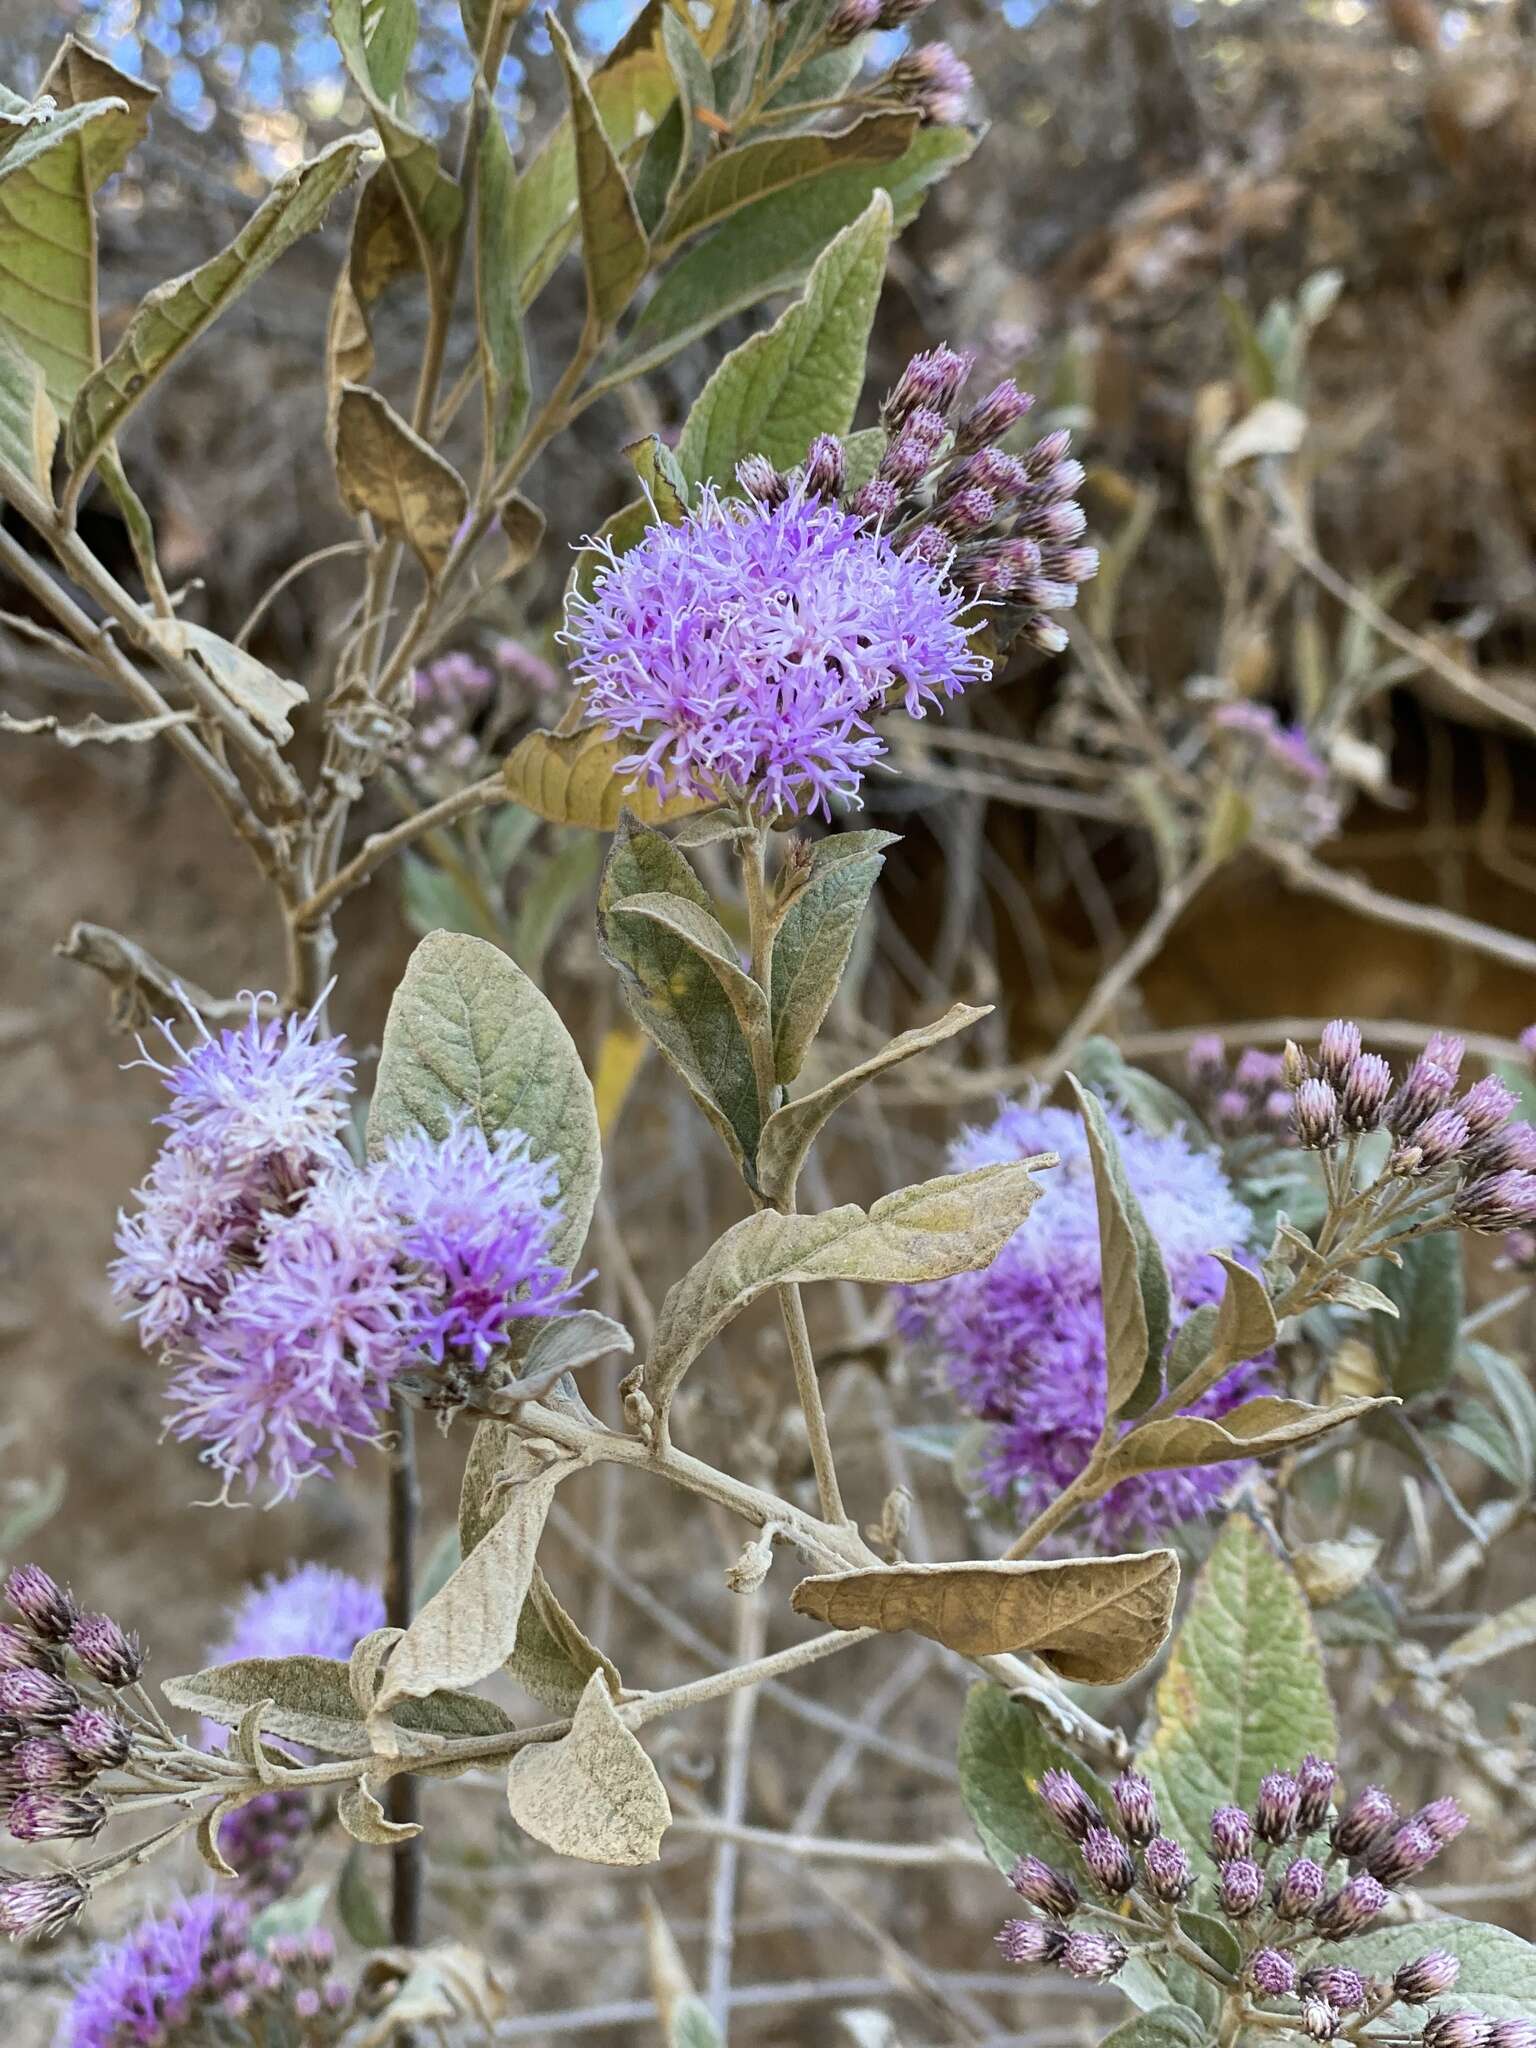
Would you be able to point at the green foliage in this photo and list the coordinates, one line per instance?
(815, 938)
(1417, 1351)
(1004, 1752)
(613, 242)
(1498, 1969)
(1136, 1292)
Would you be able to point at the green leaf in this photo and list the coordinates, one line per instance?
(1165, 2026)
(695, 91)
(498, 301)
(1417, 1351)
(1516, 1402)
(631, 90)
(1004, 1752)
(791, 1131)
(770, 246)
(756, 169)
(574, 779)
(435, 901)
(376, 38)
(707, 939)
(815, 938)
(386, 469)
(549, 895)
(312, 1703)
(1096, 1620)
(954, 1224)
(1244, 1690)
(372, 38)
(78, 74)
(175, 314)
(613, 243)
(1137, 1297)
(359, 1911)
(1498, 1969)
(467, 1030)
(665, 485)
(1145, 1100)
(672, 993)
(803, 377)
(29, 426)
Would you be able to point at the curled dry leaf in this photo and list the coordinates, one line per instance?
(387, 470)
(446, 1986)
(594, 1794)
(1095, 1619)
(1266, 1424)
(361, 1814)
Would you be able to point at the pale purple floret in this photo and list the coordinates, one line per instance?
(750, 648)
(157, 1978)
(1022, 1343)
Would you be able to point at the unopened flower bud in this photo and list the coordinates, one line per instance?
(991, 469)
(1317, 1779)
(1444, 1819)
(1109, 1861)
(968, 512)
(108, 1652)
(850, 20)
(20, 1650)
(1272, 1973)
(1337, 1050)
(1301, 1890)
(96, 1739)
(1362, 1821)
(1402, 1854)
(1070, 1807)
(992, 417)
(1364, 1091)
(1513, 2033)
(1045, 633)
(41, 1602)
(1319, 2021)
(999, 568)
(1316, 1116)
(1440, 1139)
(1231, 1833)
(1428, 1087)
(905, 462)
(1428, 1976)
(877, 500)
(1030, 1942)
(1505, 1201)
(928, 383)
(57, 1816)
(1457, 2030)
(825, 467)
(37, 1696)
(1343, 1989)
(34, 1908)
(1351, 1909)
(1241, 1886)
(336, 1994)
(761, 481)
(897, 13)
(1093, 1956)
(42, 1763)
(935, 81)
(1136, 1804)
(1047, 1889)
(1487, 1106)
(1169, 1875)
(1277, 1807)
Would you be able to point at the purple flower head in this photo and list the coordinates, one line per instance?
(1351, 1909)
(311, 1610)
(1022, 1342)
(474, 1217)
(1316, 1116)
(96, 1738)
(1487, 1106)
(1362, 1820)
(37, 1696)
(935, 81)
(1428, 1087)
(928, 384)
(20, 1650)
(1272, 1973)
(1402, 1854)
(852, 19)
(1136, 1804)
(1231, 1833)
(41, 1602)
(825, 467)
(1301, 1889)
(110, 1654)
(55, 1816)
(1070, 1807)
(1458, 2030)
(991, 417)
(1240, 1886)
(42, 1762)
(1170, 1876)
(1513, 2033)
(760, 480)
(1364, 1091)
(35, 1908)
(877, 501)
(263, 1843)
(1443, 1818)
(1049, 1890)
(1343, 1989)
(1317, 1778)
(750, 648)
(1504, 1201)
(1109, 1861)
(1438, 1141)
(1337, 1050)
(1093, 1956)
(1428, 1976)
(1030, 1942)
(159, 1976)
(1277, 1807)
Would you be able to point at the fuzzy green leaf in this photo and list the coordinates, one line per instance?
(1004, 1752)
(1165, 2026)
(613, 243)
(29, 426)
(756, 169)
(811, 947)
(1417, 1350)
(1244, 1690)
(1498, 1969)
(1136, 1292)
(312, 1703)
(803, 377)
(498, 301)
(467, 1030)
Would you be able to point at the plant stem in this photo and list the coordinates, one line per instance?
(808, 1387)
(408, 1859)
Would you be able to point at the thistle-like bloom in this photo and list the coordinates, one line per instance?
(1170, 1875)
(1093, 1956)
(1070, 1807)
(1362, 1820)
(1352, 1908)
(1428, 1976)
(749, 650)
(1240, 1887)
(37, 1907)
(1022, 1343)
(158, 1977)
(273, 1090)
(112, 1656)
(1277, 1807)
(1272, 1973)
(1049, 1890)
(1109, 1861)
(1136, 1804)
(41, 1602)
(1231, 1833)
(1301, 1889)
(1030, 1942)
(1343, 1989)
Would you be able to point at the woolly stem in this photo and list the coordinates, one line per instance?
(408, 1859)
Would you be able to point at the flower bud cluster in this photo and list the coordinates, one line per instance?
(1466, 1150)
(1242, 1098)
(194, 1975)
(60, 1732)
(1295, 1877)
(461, 704)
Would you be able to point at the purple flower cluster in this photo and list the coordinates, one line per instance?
(748, 649)
(1286, 779)
(291, 1289)
(1242, 1098)
(310, 1611)
(1022, 1343)
(1278, 1911)
(60, 1732)
(934, 81)
(192, 1975)
(461, 704)
(1465, 1150)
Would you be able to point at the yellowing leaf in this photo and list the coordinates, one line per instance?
(575, 779)
(1097, 1620)
(387, 470)
(1257, 1429)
